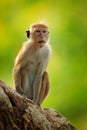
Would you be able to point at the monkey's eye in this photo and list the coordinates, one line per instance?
(44, 31)
(37, 31)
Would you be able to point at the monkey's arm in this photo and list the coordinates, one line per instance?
(19, 64)
(17, 78)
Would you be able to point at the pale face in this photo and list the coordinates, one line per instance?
(40, 35)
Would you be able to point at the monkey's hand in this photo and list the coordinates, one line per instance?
(20, 90)
(35, 100)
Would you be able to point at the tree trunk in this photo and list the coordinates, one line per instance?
(20, 113)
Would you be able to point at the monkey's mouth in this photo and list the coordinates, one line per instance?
(41, 42)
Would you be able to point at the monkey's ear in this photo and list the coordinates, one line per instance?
(28, 33)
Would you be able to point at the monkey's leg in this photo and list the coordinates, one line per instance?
(45, 85)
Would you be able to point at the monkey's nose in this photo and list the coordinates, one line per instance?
(41, 36)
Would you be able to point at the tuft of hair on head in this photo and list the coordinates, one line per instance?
(41, 22)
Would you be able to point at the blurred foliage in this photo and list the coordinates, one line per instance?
(67, 21)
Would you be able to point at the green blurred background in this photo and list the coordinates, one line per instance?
(67, 20)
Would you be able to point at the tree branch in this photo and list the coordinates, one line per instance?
(19, 113)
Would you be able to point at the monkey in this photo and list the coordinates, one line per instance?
(29, 73)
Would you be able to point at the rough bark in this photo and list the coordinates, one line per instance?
(19, 113)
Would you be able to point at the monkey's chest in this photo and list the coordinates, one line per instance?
(32, 69)
(33, 64)
(35, 60)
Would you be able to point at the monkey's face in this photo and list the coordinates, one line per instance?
(40, 35)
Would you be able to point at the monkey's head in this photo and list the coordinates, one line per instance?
(39, 34)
